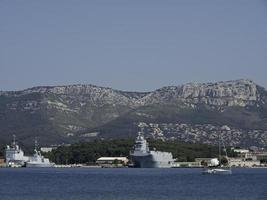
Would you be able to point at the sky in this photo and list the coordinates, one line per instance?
(138, 45)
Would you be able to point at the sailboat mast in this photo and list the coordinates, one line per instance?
(220, 157)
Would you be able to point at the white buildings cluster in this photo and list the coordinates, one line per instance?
(205, 133)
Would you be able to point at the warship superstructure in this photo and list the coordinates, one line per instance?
(142, 157)
(15, 155)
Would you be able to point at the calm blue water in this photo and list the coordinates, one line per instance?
(75, 184)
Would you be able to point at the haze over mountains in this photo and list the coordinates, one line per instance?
(194, 112)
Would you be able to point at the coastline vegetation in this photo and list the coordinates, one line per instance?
(89, 152)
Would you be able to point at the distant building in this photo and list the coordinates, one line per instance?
(47, 149)
(240, 162)
(241, 151)
(233, 162)
(186, 164)
(112, 161)
(262, 156)
(256, 155)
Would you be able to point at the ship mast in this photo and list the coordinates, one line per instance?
(14, 140)
(35, 144)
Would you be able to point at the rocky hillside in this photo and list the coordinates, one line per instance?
(65, 114)
(232, 93)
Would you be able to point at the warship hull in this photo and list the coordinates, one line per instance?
(152, 160)
(33, 165)
(142, 157)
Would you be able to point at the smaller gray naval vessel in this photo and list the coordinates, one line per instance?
(37, 160)
(142, 157)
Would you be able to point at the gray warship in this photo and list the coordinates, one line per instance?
(15, 157)
(142, 157)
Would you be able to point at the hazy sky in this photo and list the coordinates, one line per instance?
(131, 45)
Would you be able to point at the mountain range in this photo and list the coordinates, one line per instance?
(193, 112)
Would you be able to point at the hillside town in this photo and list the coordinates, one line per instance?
(205, 133)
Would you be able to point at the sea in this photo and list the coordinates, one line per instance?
(130, 184)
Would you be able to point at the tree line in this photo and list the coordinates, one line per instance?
(89, 152)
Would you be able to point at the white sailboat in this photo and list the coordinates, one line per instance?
(216, 166)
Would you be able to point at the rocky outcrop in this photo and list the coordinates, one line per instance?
(94, 95)
(231, 93)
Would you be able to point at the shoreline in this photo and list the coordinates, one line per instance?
(100, 167)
